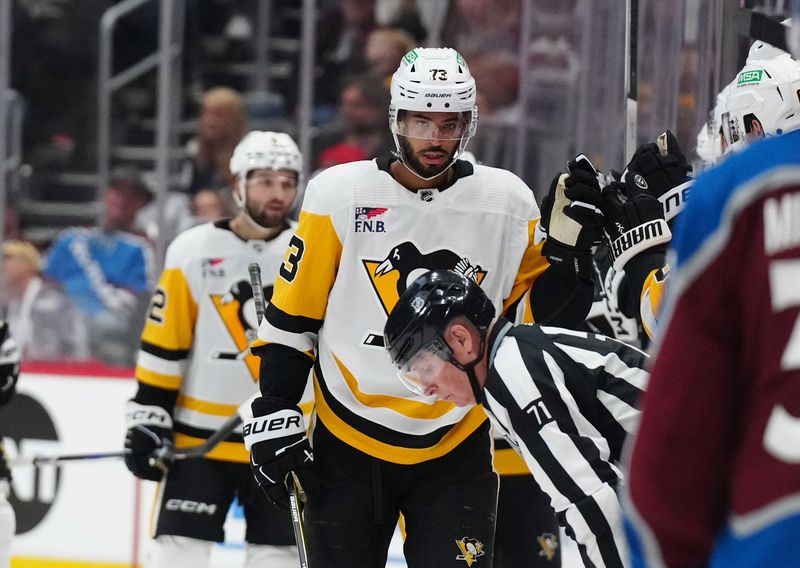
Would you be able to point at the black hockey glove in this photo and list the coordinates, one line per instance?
(276, 438)
(665, 170)
(149, 441)
(9, 364)
(633, 220)
(571, 217)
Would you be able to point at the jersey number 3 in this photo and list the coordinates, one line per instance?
(294, 255)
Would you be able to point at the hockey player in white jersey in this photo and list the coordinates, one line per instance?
(366, 230)
(195, 367)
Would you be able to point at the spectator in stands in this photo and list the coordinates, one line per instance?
(209, 205)
(361, 128)
(385, 47)
(223, 122)
(108, 271)
(474, 27)
(342, 35)
(46, 324)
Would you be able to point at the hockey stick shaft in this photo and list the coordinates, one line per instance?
(186, 452)
(631, 76)
(294, 484)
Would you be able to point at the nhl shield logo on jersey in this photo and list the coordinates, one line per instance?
(366, 221)
(405, 262)
(471, 549)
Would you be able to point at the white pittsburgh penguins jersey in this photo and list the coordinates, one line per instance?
(199, 326)
(361, 239)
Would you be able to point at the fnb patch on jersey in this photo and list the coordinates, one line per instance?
(366, 221)
(211, 267)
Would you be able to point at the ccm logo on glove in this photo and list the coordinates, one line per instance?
(276, 425)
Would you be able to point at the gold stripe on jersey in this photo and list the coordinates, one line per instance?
(224, 451)
(508, 462)
(651, 298)
(404, 406)
(396, 454)
(205, 406)
(530, 268)
(178, 307)
(311, 271)
(159, 380)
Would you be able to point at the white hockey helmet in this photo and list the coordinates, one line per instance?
(765, 97)
(709, 144)
(433, 80)
(264, 150)
(761, 50)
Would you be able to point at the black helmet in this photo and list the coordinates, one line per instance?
(427, 306)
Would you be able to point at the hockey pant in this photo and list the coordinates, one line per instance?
(527, 529)
(448, 504)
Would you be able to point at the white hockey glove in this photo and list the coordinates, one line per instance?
(571, 217)
(149, 440)
(276, 438)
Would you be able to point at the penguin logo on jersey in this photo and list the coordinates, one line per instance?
(237, 309)
(548, 542)
(471, 549)
(405, 262)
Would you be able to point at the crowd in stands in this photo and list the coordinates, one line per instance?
(95, 281)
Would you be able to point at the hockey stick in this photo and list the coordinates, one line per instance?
(631, 76)
(163, 454)
(295, 489)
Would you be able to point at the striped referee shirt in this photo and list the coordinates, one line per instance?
(565, 400)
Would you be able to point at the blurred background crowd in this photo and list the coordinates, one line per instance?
(87, 215)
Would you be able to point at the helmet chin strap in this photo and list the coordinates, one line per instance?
(469, 368)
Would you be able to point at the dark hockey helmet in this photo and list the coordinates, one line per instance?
(424, 310)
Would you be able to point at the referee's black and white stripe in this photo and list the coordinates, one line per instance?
(568, 399)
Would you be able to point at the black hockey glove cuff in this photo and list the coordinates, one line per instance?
(633, 220)
(278, 445)
(148, 441)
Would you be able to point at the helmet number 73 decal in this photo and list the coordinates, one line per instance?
(391, 275)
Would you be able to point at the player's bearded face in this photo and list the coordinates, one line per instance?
(269, 196)
(428, 158)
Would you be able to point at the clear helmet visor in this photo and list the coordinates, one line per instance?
(455, 127)
(424, 368)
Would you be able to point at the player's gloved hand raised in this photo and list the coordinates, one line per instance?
(665, 170)
(633, 219)
(571, 215)
(149, 441)
(276, 438)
